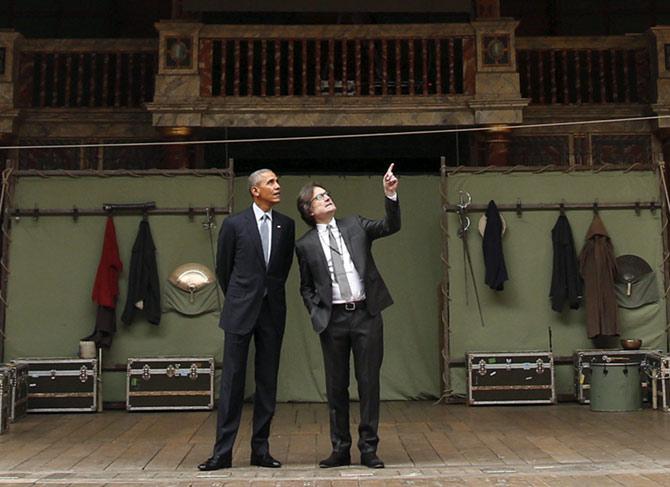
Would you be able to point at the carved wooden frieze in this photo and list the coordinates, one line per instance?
(539, 150)
(48, 159)
(621, 149)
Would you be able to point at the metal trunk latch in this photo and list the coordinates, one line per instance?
(52, 374)
(146, 372)
(170, 371)
(482, 367)
(83, 373)
(508, 363)
(193, 375)
(540, 366)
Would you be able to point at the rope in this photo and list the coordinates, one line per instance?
(339, 136)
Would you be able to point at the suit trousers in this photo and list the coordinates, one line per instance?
(267, 340)
(358, 332)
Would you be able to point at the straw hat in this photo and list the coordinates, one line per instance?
(482, 225)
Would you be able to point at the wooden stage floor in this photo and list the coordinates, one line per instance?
(421, 443)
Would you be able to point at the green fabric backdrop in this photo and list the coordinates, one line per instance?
(519, 317)
(53, 262)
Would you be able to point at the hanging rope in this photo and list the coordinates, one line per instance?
(337, 136)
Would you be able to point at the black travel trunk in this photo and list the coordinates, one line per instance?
(170, 383)
(510, 378)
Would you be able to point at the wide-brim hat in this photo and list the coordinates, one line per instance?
(630, 268)
(191, 276)
(481, 226)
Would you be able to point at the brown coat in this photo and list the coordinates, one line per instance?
(598, 269)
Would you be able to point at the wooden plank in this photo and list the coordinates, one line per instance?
(137, 456)
(102, 457)
(445, 448)
(500, 447)
(170, 456)
(419, 449)
(302, 450)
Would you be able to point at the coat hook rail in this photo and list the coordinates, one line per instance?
(519, 208)
(143, 207)
(77, 213)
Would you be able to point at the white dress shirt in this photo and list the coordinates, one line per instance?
(258, 213)
(355, 281)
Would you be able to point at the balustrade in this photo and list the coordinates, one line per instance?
(86, 73)
(580, 71)
(335, 61)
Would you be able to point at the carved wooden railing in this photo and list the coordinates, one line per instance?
(337, 60)
(581, 70)
(87, 73)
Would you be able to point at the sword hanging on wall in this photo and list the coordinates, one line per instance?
(464, 200)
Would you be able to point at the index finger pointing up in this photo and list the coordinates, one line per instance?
(390, 169)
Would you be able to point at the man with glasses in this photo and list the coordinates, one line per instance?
(345, 294)
(255, 253)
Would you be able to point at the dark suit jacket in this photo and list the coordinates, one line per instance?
(242, 274)
(143, 279)
(358, 234)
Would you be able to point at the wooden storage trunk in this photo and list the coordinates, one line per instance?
(18, 379)
(584, 358)
(657, 369)
(170, 383)
(510, 378)
(4, 399)
(61, 384)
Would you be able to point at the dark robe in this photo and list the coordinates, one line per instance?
(143, 288)
(494, 260)
(598, 268)
(566, 283)
(106, 289)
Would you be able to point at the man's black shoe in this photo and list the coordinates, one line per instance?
(335, 460)
(216, 463)
(371, 460)
(264, 461)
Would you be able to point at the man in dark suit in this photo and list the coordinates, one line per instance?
(255, 253)
(345, 294)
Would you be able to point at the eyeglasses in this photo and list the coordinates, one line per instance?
(321, 196)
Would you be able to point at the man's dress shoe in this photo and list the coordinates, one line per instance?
(215, 463)
(371, 460)
(335, 460)
(264, 461)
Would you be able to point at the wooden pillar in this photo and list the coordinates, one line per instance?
(487, 9)
(177, 156)
(497, 146)
(5, 139)
(663, 135)
(7, 157)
